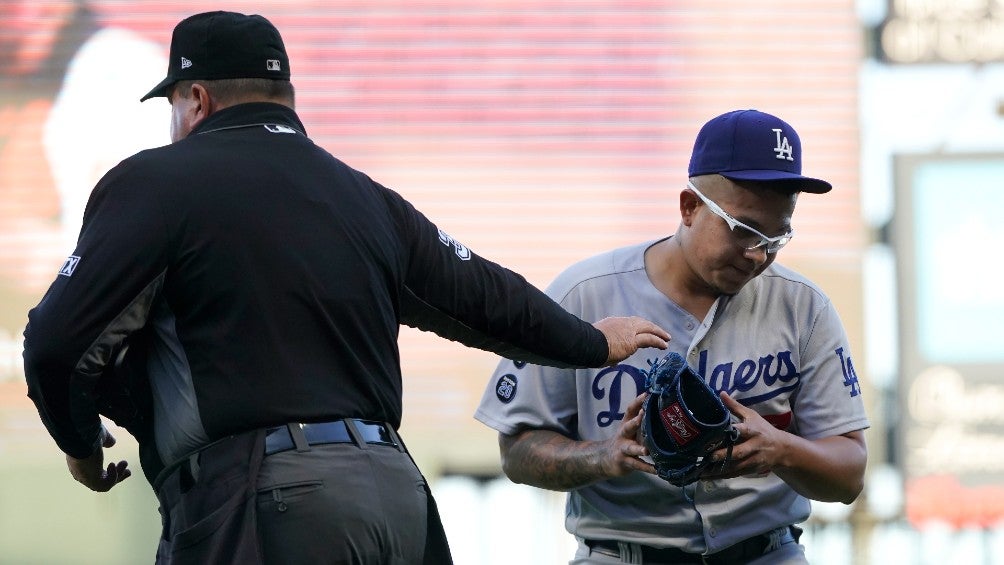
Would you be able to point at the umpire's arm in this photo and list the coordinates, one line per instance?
(450, 290)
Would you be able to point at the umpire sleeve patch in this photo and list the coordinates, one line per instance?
(505, 388)
(69, 266)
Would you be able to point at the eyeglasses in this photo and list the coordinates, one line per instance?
(747, 237)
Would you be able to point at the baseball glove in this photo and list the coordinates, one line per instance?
(684, 421)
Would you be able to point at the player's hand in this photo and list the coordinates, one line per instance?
(628, 334)
(91, 471)
(624, 451)
(758, 451)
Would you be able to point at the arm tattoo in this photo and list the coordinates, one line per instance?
(547, 459)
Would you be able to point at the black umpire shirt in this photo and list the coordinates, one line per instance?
(273, 279)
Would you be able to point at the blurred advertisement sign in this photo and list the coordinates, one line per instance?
(949, 235)
(942, 31)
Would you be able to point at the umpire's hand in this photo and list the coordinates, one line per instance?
(91, 471)
(625, 335)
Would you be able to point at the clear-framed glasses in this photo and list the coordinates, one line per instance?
(747, 237)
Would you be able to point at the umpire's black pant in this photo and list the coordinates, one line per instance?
(337, 503)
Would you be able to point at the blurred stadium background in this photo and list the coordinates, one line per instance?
(539, 132)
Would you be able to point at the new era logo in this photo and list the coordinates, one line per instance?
(185, 63)
(273, 65)
(69, 265)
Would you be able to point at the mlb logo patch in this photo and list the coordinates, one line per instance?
(279, 128)
(273, 65)
(69, 266)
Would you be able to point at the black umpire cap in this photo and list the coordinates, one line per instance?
(224, 45)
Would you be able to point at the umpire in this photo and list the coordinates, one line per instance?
(234, 301)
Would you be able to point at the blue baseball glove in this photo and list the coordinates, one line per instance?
(684, 422)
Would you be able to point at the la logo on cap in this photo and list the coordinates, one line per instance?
(783, 149)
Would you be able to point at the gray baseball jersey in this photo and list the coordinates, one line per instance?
(777, 346)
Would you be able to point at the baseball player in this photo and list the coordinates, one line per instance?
(767, 338)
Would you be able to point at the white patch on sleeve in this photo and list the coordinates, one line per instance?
(69, 266)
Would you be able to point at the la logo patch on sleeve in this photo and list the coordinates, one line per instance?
(505, 388)
(69, 266)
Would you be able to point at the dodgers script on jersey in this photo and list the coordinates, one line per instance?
(777, 346)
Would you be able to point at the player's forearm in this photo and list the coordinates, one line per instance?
(828, 470)
(549, 460)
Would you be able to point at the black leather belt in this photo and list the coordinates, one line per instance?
(746, 550)
(279, 439)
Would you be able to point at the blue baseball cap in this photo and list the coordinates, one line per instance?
(748, 145)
